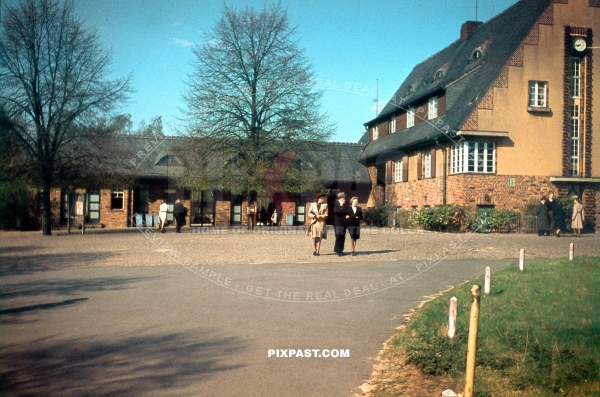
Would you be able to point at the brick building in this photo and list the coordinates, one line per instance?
(153, 169)
(499, 117)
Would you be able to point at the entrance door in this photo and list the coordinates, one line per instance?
(93, 199)
(203, 208)
(236, 210)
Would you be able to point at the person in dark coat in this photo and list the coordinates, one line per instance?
(541, 213)
(341, 215)
(179, 212)
(356, 215)
(558, 216)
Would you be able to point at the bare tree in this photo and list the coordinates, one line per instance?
(53, 87)
(252, 94)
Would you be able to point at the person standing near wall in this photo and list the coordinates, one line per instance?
(541, 213)
(162, 215)
(577, 218)
(251, 213)
(179, 212)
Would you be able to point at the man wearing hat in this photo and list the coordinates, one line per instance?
(341, 215)
(317, 214)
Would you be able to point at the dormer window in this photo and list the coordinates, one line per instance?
(410, 90)
(168, 160)
(476, 55)
(438, 75)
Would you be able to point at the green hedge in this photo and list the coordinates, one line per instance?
(452, 217)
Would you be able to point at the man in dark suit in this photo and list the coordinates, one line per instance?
(179, 212)
(341, 214)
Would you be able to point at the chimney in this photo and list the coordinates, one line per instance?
(467, 28)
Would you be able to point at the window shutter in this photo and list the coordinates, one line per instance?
(420, 166)
(405, 169)
(433, 164)
(389, 172)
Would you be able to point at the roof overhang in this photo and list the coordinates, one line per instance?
(487, 134)
(574, 179)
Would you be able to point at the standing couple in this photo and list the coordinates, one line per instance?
(345, 217)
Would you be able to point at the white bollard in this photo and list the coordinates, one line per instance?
(486, 285)
(452, 317)
(521, 258)
(571, 249)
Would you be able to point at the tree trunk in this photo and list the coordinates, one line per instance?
(47, 212)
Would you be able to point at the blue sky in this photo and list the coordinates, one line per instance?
(351, 43)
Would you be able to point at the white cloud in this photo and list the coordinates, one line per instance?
(182, 42)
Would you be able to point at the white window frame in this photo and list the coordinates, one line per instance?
(392, 125)
(575, 116)
(427, 164)
(375, 132)
(433, 108)
(117, 193)
(398, 168)
(538, 94)
(470, 157)
(410, 117)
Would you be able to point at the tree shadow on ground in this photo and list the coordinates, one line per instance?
(68, 287)
(12, 264)
(147, 364)
(43, 306)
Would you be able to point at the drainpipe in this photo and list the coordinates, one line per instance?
(444, 171)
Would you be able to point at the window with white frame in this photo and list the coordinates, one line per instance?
(466, 157)
(538, 94)
(398, 171)
(410, 117)
(392, 125)
(433, 108)
(575, 120)
(375, 132)
(116, 202)
(427, 164)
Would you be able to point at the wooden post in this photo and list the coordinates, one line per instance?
(452, 317)
(69, 212)
(486, 286)
(521, 258)
(571, 251)
(83, 214)
(472, 344)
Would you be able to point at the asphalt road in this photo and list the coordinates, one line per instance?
(75, 325)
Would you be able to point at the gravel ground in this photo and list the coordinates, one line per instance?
(213, 246)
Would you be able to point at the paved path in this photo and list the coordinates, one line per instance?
(112, 313)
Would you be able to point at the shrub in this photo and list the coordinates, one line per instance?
(377, 216)
(441, 218)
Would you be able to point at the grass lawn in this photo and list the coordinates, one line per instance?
(539, 335)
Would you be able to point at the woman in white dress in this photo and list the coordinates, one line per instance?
(162, 215)
(317, 213)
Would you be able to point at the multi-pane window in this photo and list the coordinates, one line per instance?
(433, 107)
(537, 94)
(575, 120)
(410, 117)
(392, 125)
(398, 171)
(116, 202)
(473, 157)
(375, 132)
(427, 164)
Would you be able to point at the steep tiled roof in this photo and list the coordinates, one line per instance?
(140, 157)
(465, 82)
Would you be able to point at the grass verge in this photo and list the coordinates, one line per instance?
(539, 335)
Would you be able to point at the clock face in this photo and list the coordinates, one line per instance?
(579, 44)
